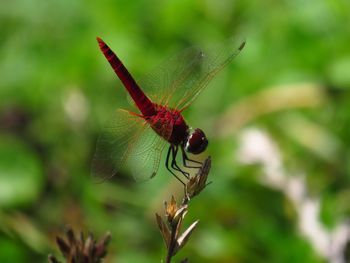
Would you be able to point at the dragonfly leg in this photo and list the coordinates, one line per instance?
(174, 164)
(185, 158)
(167, 166)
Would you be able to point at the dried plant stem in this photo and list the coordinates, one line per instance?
(170, 229)
(171, 245)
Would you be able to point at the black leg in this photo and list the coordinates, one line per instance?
(174, 164)
(170, 150)
(185, 158)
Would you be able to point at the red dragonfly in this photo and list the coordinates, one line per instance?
(138, 139)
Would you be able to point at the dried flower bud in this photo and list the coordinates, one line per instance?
(173, 212)
(198, 182)
(81, 250)
(170, 209)
(164, 230)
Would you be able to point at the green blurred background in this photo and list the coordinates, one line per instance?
(278, 121)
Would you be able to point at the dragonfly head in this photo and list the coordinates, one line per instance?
(196, 142)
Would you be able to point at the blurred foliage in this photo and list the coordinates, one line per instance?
(57, 90)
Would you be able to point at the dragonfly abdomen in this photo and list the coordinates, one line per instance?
(143, 103)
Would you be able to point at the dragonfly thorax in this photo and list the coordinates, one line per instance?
(196, 141)
(169, 124)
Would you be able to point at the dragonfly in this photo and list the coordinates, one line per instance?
(138, 139)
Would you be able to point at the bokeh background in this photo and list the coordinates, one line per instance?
(278, 121)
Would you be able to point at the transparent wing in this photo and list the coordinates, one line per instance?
(181, 78)
(114, 144)
(145, 156)
(161, 83)
(127, 139)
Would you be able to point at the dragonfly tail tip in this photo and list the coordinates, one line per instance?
(99, 40)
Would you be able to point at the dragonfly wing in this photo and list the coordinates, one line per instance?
(161, 83)
(211, 62)
(182, 77)
(114, 144)
(128, 142)
(145, 155)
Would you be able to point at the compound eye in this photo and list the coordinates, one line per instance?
(196, 142)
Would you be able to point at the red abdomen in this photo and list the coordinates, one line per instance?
(141, 100)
